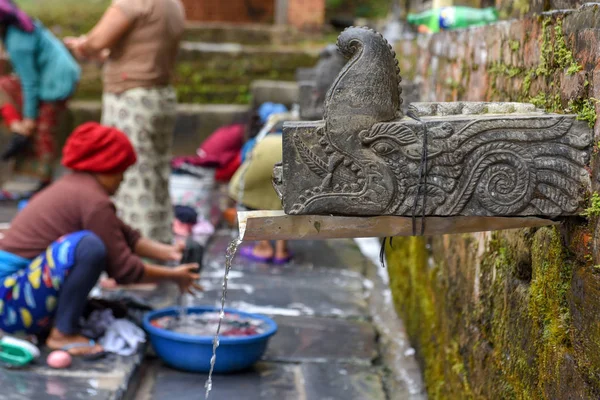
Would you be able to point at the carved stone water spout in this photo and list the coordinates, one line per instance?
(365, 158)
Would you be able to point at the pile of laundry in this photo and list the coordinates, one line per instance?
(205, 324)
(221, 152)
(115, 335)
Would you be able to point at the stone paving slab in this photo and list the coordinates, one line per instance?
(295, 289)
(289, 300)
(309, 339)
(19, 385)
(107, 378)
(270, 381)
(270, 277)
(308, 254)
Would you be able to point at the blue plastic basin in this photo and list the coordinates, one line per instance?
(193, 353)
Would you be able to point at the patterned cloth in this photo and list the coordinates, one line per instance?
(28, 298)
(147, 117)
(39, 159)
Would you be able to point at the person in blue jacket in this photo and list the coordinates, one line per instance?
(45, 75)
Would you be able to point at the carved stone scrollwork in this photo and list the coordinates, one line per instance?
(483, 159)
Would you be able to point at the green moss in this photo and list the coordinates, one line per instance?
(514, 45)
(414, 287)
(510, 342)
(358, 8)
(593, 210)
(521, 6)
(548, 102)
(527, 83)
(452, 84)
(585, 110)
(66, 17)
(562, 54)
(225, 78)
(549, 303)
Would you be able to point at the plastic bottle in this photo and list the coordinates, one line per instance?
(453, 17)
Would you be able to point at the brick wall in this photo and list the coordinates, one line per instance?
(550, 59)
(240, 11)
(512, 314)
(306, 14)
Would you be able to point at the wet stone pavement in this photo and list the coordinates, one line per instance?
(325, 348)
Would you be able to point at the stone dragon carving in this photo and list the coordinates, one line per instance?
(314, 83)
(366, 159)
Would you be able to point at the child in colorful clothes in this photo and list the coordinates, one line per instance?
(32, 99)
(69, 233)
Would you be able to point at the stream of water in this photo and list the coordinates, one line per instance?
(183, 305)
(229, 255)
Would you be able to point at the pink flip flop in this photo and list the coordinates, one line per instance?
(248, 252)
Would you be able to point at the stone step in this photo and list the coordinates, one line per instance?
(284, 92)
(253, 34)
(209, 73)
(222, 32)
(195, 122)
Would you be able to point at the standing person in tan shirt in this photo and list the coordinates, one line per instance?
(141, 38)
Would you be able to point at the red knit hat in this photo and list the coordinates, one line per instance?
(96, 148)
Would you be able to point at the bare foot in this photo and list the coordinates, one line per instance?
(58, 340)
(263, 249)
(263, 253)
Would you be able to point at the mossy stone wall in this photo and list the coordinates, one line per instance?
(217, 77)
(503, 315)
(512, 314)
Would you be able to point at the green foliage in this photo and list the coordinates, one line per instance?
(522, 6)
(562, 54)
(554, 53)
(585, 110)
(226, 79)
(66, 17)
(514, 45)
(333, 4)
(593, 210)
(548, 102)
(358, 8)
(527, 83)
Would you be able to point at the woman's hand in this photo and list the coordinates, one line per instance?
(28, 126)
(176, 252)
(70, 41)
(75, 45)
(186, 277)
(148, 248)
(17, 127)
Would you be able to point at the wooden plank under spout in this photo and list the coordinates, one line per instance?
(276, 225)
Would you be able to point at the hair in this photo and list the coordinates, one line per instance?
(251, 120)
